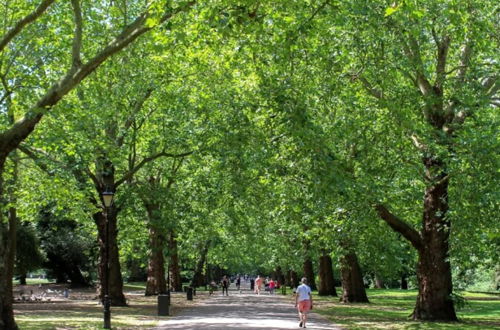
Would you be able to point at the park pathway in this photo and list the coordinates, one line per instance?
(244, 311)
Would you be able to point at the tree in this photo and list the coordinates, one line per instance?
(36, 106)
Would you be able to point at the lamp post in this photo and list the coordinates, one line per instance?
(107, 197)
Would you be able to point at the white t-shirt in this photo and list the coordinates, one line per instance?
(303, 292)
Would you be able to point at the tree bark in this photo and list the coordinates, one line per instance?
(434, 271)
(352, 279)
(434, 301)
(309, 273)
(326, 279)
(115, 277)
(174, 268)
(156, 283)
(198, 278)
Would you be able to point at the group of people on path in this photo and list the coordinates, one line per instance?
(303, 293)
(270, 285)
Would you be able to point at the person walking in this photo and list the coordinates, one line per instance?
(238, 283)
(225, 285)
(303, 301)
(272, 285)
(258, 284)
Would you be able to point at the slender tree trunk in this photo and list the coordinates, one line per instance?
(278, 274)
(326, 279)
(156, 283)
(174, 268)
(115, 277)
(294, 279)
(379, 282)
(198, 278)
(352, 279)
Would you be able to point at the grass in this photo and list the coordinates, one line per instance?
(390, 309)
(33, 281)
(83, 311)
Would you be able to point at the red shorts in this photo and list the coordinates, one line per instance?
(304, 306)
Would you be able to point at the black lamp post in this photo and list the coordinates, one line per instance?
(107, 197)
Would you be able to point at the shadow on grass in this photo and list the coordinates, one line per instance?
(390, 309)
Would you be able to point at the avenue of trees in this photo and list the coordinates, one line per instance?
(288, 138)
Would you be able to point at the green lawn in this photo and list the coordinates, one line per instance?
(389, 309)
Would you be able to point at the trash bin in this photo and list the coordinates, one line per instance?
(283, 289)
(189, 293)
(163, 304)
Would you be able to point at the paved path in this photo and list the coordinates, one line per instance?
(243, 311)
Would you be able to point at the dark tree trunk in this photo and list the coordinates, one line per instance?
(174, 268)
(115, 277)
(156, 283)
(294, 279)
(22, 279)
(309, 272)
(404, 282)
(198, 278)
(434, 271)
(76, 277)
(434, 301)
(7, 255)
(326, 279)
(352, 280)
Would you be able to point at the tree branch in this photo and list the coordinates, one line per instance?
(400, 226)
(146, 160)
(23, 22)
(11, 138)
(377, 93)
(77, 39)
(442, 56)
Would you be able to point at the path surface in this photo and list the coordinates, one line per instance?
(244, 311)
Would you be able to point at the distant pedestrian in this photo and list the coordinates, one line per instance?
(303, 301)
(238, 283)
(258, 284)
(225, 285)
(272, 285)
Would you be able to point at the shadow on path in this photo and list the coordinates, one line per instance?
(244, 311)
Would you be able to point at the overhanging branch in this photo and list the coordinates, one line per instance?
(146, 160)
(399, 226)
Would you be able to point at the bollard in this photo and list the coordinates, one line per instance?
(189, 293)
(163, 304)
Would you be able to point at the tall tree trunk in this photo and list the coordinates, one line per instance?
(309, 272)
(198, 278)
(174, 268)
(156, 283)
(434, 271)
(115, 277)
(352, 279)
(326, 279)
(7, 250)
(434, 301)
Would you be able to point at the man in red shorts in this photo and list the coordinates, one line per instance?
(303, 301)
